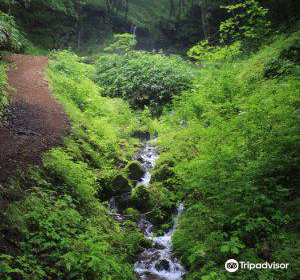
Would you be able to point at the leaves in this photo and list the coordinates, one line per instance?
(248, 21)
(143, 78)
(10, 36)
(232, 140)
(122, 43)
(233, 246)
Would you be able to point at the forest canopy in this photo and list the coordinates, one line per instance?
(176, 24)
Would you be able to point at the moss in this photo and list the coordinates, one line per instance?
(120, 185)
(140, 198)
(146, 243)
(162, 173)
(132, 214)
(165, 175)
(135, 171)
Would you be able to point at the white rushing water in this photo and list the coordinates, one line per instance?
(156, 263)
(148, 156)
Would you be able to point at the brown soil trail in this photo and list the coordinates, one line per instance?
(34, 121)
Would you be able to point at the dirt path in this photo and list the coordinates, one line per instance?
(34, 122)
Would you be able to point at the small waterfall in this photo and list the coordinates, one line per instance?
(148, 156)
(158, 262)
(133, 30)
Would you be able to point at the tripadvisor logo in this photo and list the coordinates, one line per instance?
(232, 265)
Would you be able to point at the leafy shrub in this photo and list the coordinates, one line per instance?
(234, 143)
(143, 78)
(122, 43)
(59, 242)
(10, 36)
(248, 21)
(212, 54)
(76, 178)
(101, 125)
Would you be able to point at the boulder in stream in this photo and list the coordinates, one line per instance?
(162, 265)
(120, 185)
(140, 198)
(135, 171)
(163, 173)
(146, 243)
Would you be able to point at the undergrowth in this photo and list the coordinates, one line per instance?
(144, 78)
(61, 229)
(11, 38)
(3, 85)
(231, 145)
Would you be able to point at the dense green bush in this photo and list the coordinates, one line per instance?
(233, 140)
(10, 36)
(61, 243)
(143, 78)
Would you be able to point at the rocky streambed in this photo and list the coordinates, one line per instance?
(156, 262)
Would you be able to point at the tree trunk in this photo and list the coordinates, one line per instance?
(110, 8)
(126, 10)
(171, 8)
(204, 27)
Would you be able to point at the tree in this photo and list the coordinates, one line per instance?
(248, 21)
(122, 43)
(110, 6)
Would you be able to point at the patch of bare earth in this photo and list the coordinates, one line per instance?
(34, 120)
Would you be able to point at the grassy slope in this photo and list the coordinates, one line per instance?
(235, 159)
(60, 229)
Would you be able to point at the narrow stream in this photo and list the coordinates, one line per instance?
(157, 262)
(147, 157)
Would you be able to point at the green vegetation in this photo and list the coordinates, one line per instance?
(122, 43)
(65, 231)
(143, 78)
(87, 25)
(235, 162)
(3, 84)
(10, 36)
(228, 137)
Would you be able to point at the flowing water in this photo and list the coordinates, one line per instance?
(133, 30)
(147, 157)
(157, 262)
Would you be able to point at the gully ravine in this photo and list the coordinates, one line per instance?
(157, 262)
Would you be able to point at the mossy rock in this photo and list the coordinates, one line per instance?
(135, 171)
(162, 173)
(132, 214)
(146, 243)
(120, 185)
(162, 265)
(140, 198)
(143, 135)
